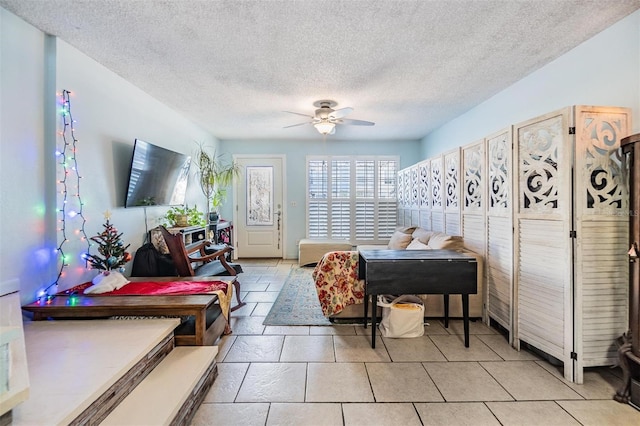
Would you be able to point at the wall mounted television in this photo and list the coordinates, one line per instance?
(157, 176)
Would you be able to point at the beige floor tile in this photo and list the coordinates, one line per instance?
(338, 382)
(261, 296)
(273, 382)
(456, 414)
(243, 311)
(247, 325)
(296, 330)
(606, 412)
(415, 349)
(255, 349)
(380, 414)
(465, 381)
(262, 309)
(434, 327)
(452, 347)
(526, 380)
(499, 344)
(598, 383)
(226, 386)
(475, 327)
(224, 344)
(345, 330)
(253, 285)
(401, 382)
(295, 414)
(231, 415)
(531, 413)
(308, 349)
(358, 349)
(275, 286)
(361, 331)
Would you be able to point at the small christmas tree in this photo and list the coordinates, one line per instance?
(111, 247)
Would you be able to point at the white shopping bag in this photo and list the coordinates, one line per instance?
(401, 317)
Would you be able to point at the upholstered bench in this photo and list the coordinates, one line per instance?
(311, 251)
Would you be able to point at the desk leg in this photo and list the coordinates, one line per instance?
(365, 316)
(465, 314)
(446, 310)
(374, 310)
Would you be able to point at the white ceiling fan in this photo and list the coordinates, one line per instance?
(326, 118)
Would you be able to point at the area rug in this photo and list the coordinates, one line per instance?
(297, 303)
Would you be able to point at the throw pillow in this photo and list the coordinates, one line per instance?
(406, 229)
(107, 281)
(441, 241)
(417, 245)
(422, 235)
(399, 241)
(158, 241)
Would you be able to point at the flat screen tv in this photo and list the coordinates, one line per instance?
(157, 176)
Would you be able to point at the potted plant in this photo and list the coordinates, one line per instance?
(183, 216)
(214, 175)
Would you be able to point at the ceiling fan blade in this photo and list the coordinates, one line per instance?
(355, 122)
(295, 125)
(297, 113)
(333, 131)
(339, 113)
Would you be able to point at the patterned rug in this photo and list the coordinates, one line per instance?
(297, 303)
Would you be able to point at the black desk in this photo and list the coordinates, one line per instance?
(417, 272)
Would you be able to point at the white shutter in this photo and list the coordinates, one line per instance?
(499, 254)
(543, 248)
(602, 225)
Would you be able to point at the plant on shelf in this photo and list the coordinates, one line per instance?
(214, 175)
(182, 216)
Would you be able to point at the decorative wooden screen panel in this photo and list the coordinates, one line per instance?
(499, 254)
(437, 185)
(452, 192)
(543, 246)
(473, 196)
(401, 197)
(424, 192)
(601, 209)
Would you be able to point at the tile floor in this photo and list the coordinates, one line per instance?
(313, 375)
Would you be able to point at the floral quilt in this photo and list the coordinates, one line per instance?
(337, 283)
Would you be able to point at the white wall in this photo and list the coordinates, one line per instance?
(296, 152)
(604, 70)
(109, 113)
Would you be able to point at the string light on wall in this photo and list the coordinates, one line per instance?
(69, 199)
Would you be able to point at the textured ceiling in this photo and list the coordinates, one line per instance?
(235, 66)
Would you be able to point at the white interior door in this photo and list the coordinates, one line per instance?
(259, 213)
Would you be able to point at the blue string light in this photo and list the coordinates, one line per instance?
(68, 161)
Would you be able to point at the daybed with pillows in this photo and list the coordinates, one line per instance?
(341, 292)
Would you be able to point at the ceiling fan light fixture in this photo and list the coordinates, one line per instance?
(324, 127)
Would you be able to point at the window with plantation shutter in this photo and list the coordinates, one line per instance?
(352, 198)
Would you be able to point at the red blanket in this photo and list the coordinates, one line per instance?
(150, 288)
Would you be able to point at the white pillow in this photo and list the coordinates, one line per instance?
(107, 281)
(417, 245)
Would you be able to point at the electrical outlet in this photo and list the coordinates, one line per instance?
(294, 204)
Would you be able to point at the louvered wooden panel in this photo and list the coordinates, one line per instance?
(499, 207)
(601, 199)
(437, 221)
(452, 223)
(425, 219)
(407, 217)
(415, 217)
(499, 267)
(474, 233)
(542, 285)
